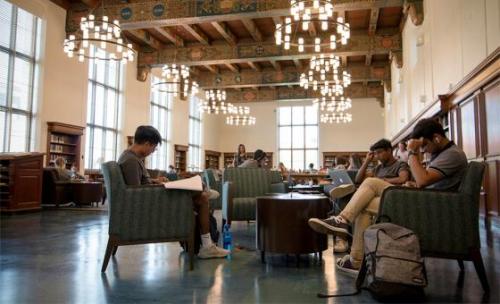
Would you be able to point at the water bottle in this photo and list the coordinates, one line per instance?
(227, 238)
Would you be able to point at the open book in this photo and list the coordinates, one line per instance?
(193, 183)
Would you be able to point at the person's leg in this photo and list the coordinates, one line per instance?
(369, 189)
(363, 221)
(208, 248)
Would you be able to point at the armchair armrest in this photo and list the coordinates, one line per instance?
(442, 220)
(151, 212)
(227, 200)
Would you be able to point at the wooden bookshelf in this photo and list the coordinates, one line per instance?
(212, 159)
(180, 158)
(229, 159)
(64, 140)
(329, 157)
(20, 181)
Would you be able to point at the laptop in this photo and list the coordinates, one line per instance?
(340, 177)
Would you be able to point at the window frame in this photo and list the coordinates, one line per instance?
(304, 125)
(154, 160)
(195, 138)
(91, 126)
(13, 54)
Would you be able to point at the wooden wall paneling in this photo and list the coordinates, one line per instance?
(469, 140)
(492, 187)
(492, 112)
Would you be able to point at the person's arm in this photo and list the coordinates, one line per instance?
(423, 177)
(360, 176)
(403, 177)
(131, 171)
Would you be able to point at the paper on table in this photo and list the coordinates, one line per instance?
(193, 183)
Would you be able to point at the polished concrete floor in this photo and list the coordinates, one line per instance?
(55, 257)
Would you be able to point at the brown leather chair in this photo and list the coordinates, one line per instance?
(55, 191)
(59, 192)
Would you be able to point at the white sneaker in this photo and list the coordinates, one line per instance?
(212, 252)
(342, 190)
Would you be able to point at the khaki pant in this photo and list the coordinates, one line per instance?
(360, 210)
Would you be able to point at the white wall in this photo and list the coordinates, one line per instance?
(454, 38)
(367, 127)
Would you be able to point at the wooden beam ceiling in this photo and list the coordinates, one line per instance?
(197, 33)
(225, 32)
(254, 65)
(151, 13)
(252, 29)
(355, 90)
(264, 51)
(170, 35)
(145, 37)
(290, 76)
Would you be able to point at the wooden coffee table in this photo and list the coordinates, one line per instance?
(282, 223)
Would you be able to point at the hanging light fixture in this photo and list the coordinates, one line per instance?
(103, 34)
(293, 32)
(340, 117)
(176, 79)
(239, 110)
(326, 75)
(240, 120)
(215, 102)
(339, 104)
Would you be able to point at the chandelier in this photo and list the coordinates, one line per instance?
(325, 74)
(101, 33)
(333, 104)
(306, 13)
(239, 110)
(215, 103)
(176, 79)
(340, 117)
(240, 120)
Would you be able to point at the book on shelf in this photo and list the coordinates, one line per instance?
(193, 183)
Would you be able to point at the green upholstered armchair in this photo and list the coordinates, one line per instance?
(240, 190)
(212, 183)
(146, 214)
(447, 223)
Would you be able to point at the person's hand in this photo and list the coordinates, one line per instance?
(415, 144)
(369, 156)
(162, 179)
(410, 184)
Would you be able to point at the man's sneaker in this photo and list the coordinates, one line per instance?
(342, 190)
(331, 225)
(341, 245)
(212, 252)
(345, 264)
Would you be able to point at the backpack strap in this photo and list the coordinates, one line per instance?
(359, 282)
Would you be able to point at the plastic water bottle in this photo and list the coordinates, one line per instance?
(227, 238)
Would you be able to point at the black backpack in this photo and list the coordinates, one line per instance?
(392, 268)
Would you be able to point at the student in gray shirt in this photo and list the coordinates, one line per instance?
(131, 162)
(445, 171)
(389, 168)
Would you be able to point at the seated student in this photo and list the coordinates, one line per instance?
(171, 170)
(444, 171)
(146, 139)
(340, 163)
(401, 152)
(258, 161)
(312, 169)
(389, 169)
(65, 174)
